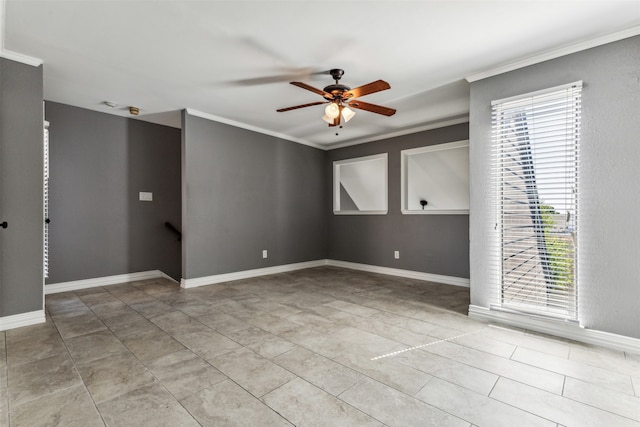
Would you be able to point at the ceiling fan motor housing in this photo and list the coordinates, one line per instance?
(336, 90)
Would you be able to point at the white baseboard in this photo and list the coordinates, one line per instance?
(55, 288)
(247, 274)
(22, 319)
(557, 328)
(429, 277)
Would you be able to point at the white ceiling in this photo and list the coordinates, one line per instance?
(232, 60)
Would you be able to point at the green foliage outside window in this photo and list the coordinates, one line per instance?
(560, 250)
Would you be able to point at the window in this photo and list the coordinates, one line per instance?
(535, 170)
(360, 185)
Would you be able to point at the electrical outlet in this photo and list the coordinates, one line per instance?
(396, 254)
(264, 253)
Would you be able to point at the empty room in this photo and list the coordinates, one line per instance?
(305, 213)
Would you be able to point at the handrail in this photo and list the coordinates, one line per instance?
(174, 229)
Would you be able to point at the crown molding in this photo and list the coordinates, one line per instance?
(408, 131)
(555, 53)
(7, 54)
(18, 57)
(237, 124)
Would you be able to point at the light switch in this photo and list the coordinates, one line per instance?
(146, 196)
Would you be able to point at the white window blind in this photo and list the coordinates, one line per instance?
(46, 200)
(535, 172)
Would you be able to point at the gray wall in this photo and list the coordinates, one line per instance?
(21, 175)
(436, 244)
(609, 231)
(98, 165)
(244, 192)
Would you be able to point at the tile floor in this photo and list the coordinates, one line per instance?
(317, 347)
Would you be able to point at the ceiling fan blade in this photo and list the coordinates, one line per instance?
(281, 110)
(313, 89)
(290, 74)
(385, 111)
(266, 80)
(367, 89)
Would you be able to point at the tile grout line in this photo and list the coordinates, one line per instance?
(95, 405)
(488, 396)
(336, 296)
(366, 375)
(6, 368)
(515, 407)
(333, 296)
(227, 378)
(395, 353)
(136, 357)
(580, 364)
(328, 394)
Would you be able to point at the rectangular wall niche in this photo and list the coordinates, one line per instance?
(437, 174)
(360, 186)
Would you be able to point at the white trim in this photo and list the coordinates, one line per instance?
(380, 212)
(247, 274)
(18, 57)
(437, 147)
(22, 319)
(558, 328)
(237, 124)
(404, 158)
(408, 131)
(7, 54)
(337, 182)
(536, 93)
(429, 277)
(55, 288)
(555, 53)
(436, 212)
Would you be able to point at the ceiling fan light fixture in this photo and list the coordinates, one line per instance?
(327, 119)
(332, 111)
(347, 114)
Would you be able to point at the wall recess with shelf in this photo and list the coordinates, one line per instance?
(435, 179)
(360, 186)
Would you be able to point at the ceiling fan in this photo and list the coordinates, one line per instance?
(341, 97)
